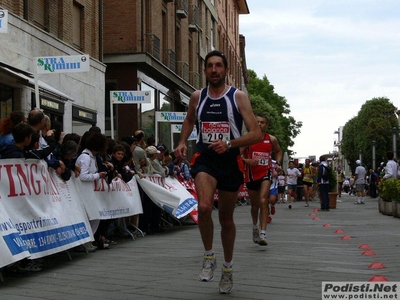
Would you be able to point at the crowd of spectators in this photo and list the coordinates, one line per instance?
(90, 157)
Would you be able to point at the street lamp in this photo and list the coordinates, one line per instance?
(394, 131)
(360, 156)
(373, 154)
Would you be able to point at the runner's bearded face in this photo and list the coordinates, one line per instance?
(215, 71)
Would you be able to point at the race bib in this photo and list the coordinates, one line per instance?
(262, 158)
(211, 131)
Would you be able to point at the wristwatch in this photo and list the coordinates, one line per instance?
(228, 144)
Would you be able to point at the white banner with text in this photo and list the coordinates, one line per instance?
(169, 194)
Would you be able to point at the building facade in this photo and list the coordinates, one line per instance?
(133, 45)
(44, 28)
(160, 46)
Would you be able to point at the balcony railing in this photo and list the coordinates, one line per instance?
(169, 59)
(194, 79)
(183, 70)
(182, 8)
(153, 45)
(194, 18)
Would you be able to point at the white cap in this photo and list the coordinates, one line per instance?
(358, 162)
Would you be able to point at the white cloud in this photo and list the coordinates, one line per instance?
(326, 58)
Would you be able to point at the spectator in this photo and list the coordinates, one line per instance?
(22, 134)
(323, 184)
(67, 154)
(391, 166)
(6, 126)
(96, 143)
(359, 180)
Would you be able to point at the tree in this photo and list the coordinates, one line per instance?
(264, 100)
(374, 122)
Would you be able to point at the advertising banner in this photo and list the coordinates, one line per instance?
(109, 201)
(130, 97)
(62, 64)
(169, 194)
(35, 200)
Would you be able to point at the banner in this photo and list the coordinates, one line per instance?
(12, 247)
(40, 214)
(46, 213)
(3, 21)
(130, 97)
(116, 200)
(169, 194)
(62, 64)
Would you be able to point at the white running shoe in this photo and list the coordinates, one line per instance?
(226, 282)
(209, 265)
(263, 239)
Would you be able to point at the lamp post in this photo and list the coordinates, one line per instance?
(394, 131)
(360, 156)
(373, 155)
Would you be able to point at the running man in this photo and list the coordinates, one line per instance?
(291, 178)
(308, 180)
(258, 177)
(218, 112)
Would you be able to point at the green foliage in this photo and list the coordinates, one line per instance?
(374, 122)
(265, 101)
(333, 182)
(389, 190)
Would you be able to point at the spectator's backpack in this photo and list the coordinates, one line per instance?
(327, 173)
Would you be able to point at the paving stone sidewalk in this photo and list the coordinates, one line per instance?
(303, 251)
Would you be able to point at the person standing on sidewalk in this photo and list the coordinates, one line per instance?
(391, 166)
(218, 111)
(323, 183)
(359, 181)
(258, 178)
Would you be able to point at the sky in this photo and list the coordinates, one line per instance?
(327, 58)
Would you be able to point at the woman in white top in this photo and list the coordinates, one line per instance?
(96, 144)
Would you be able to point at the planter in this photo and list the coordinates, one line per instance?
(396, 209)
(332, 199)
(388, 208)
(381, 206)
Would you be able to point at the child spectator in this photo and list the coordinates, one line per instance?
(22, 134)
(6, 126)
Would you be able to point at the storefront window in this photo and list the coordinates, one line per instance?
(147, 112)
(6, 99)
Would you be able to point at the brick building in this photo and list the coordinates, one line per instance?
(160, 46)
(154, 45)
(38, 28)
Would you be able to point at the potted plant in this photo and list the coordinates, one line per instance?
(333, 189)
(389, 194)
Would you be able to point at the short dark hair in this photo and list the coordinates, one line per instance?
(72, 137)
(263, 116)
(118, 147)
(322, 158)
(129, 140)
(21, 131)
(216, 53)
(389, 155)
(96, 142)
(95, 129)
(68, 147)
(35, 138)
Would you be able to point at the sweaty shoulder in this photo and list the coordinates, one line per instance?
(194, 98)
(242, 100)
